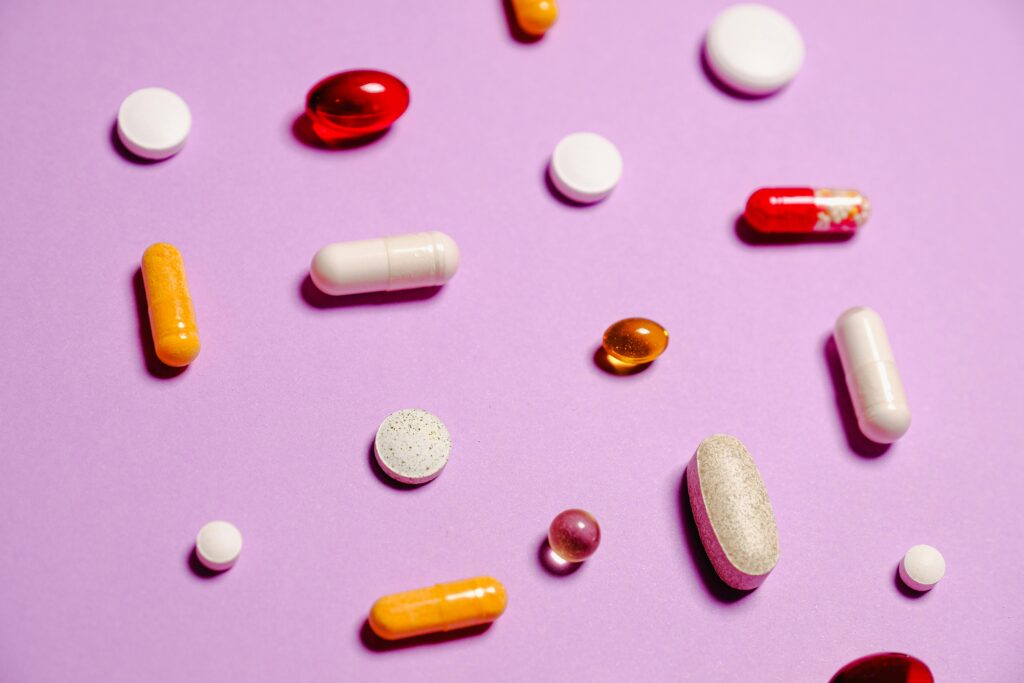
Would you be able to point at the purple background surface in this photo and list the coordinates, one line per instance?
(108, 469)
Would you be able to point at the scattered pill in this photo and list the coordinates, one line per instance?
(574, 535)
(884, 667)
(535, 17)
(444, 607)
(635, 341)
(733, 514)
(754, 49)
(354, 104)
(422, 259)
(153, 123)
(585, 167)
(412, 446)
(803, 209)
(175, 335)
(922, 567)
(874, 384)
(218, 545)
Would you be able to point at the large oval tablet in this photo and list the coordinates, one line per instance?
(732, 511)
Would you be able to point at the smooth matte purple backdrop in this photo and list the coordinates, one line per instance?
(108, 466)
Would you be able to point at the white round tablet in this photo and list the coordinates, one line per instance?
(585, 167)
(412, 446)
(153, 123)
(922, 567)
(218, 545)
(754, 49)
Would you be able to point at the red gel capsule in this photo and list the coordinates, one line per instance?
(803, 209)
(885, 667)
(355, 104)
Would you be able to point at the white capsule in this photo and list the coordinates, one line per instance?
(422, 259)
(875, 387)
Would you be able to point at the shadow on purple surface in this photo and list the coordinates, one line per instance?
(715, 587)
(752, 237)
(905, 590)
(612, 367)
(371, 641)
(302, 130)
(517, 34)
(552, 563)
(198, 568)
(317, 299)
(122, 151)
(383, 477)
(859, 444)
(561, 198)
(721, 85)
(153, 365)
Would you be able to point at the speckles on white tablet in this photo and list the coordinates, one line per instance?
(218, 545)
(922, 567)
(754, 49)
(585, 167)
(412, 446)
(153, 123)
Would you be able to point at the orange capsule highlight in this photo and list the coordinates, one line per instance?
(535, 17)
(175, 335)
(444, 607)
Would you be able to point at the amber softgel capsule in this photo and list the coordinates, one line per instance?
(635, 341)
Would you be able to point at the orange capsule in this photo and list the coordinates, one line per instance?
(535, 17)
(444, 607)
(175, 335)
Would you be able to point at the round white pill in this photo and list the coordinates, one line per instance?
(218, 545)
(922, 567)
(153, 123)
(754, 49)
(412, 446)
(585, 167)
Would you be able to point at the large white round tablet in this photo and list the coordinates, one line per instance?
(153, 123)
(754, 49)
(218, 545)
(412, 446)
(585, 167)
(922, 567)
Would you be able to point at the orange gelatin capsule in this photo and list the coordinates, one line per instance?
(535, 17)
(444, 607)
(175, 335)
(635, 341)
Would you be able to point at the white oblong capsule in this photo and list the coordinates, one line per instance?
(875, 387)
(422, 259)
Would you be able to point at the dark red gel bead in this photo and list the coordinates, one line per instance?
(885, 667)
(354, 104)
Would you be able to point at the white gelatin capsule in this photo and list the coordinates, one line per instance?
(875, 387)
(422, 259)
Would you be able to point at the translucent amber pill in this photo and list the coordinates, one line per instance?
(635, 341)
(535, 17)
(444, 607)
(354, 104)
(175, 335)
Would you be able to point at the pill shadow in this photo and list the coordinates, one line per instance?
(552, 563)
(514, 30)
(317, 299)
(714, 586)
(153, 365)
(611, 366)
(748, 235)
(561, 198)
(198, 568)
(374, 643)
(383, 477)
(302, 130)
(905, 590)
(722, 86)
(124, 153)
(859, 444)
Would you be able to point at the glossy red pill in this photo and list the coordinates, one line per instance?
(804, 209)
(355, 104)
(885, 667)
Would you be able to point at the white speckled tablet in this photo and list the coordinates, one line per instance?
(412, 446)
(218, 545)
(754, 49)
(585, 167)
(153, 123)
(922, 567)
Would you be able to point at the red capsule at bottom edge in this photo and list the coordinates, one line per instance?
(885, 667)
(355, 104)
(804, 209)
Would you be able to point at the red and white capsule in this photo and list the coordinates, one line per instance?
(804, 209)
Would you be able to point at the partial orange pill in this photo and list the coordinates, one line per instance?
(444, 607)
(175, 335)
(535, 17)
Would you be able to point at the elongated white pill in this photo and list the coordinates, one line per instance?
(875, 387)
(218, 545)
(422, 259)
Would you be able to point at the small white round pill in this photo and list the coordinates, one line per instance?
(922, 567)
(153, 123)
(585, 167)
(412, 446)
(754, 49)
(218, 545)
